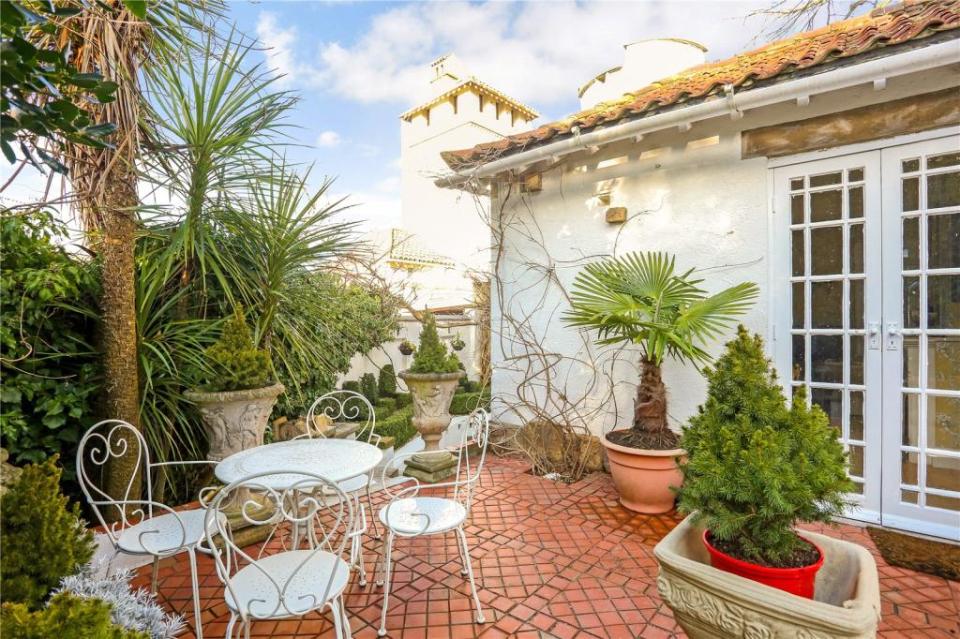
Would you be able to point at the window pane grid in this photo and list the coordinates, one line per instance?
(919, 453)
(825, 282)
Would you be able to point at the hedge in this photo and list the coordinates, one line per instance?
(465, 403)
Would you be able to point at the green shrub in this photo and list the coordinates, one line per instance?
(49, 368)
(399, 426)
(403, 400)
(431, 355)
(42, 539)
(466, 403)
(236, 361)
(387, 381)
(64, 617)
(756, 467)
(388, 404)
(351, 385)
(368, 387)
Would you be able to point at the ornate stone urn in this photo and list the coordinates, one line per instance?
(235, 420)
(709, 603)
(432, 394)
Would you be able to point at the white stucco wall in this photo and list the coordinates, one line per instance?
(685, 195)
(707, 207)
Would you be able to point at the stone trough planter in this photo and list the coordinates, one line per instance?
(712, 604)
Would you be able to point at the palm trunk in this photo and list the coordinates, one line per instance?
(650, 409)
(119, 327)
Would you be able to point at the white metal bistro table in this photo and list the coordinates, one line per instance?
(335, 459)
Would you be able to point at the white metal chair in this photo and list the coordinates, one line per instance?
(408, 514)
(281, 583)
(138, 526)
(344, 405)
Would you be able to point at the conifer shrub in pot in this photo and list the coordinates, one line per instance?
(640, 299)
(756, 467)
(432, 380)
(238, 397)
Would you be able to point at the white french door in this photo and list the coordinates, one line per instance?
(867, 318)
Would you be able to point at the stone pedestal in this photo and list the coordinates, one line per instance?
(431, 467)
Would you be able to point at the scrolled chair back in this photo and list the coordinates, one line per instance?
(474, 438)
(342, 405)
(278, 581)
(105, 443)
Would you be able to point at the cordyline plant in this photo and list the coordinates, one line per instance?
(757, 467)
(640, 299)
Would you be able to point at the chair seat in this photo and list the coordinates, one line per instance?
(163, 534)
(409, 516)
(300, 577)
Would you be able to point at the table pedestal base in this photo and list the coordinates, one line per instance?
(431, 467)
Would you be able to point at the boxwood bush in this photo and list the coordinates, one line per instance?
(466, 403)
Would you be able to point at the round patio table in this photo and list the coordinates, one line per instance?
(334, 459)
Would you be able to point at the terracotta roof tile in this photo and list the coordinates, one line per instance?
(893, 25)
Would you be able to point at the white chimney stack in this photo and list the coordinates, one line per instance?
(644, 62)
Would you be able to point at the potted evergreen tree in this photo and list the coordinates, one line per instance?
(756, 468)
(238, 397)
(640, 299)
(432, 380)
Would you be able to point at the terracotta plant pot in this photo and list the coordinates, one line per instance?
(796, 581)
(644, 477)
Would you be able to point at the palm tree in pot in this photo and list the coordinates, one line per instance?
(641, 299)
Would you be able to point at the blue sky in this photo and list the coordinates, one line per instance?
(358, 65)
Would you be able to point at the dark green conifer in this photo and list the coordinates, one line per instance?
(757, 467)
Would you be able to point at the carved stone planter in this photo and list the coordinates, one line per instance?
(432, 393)
(713, 604)
(235, 420)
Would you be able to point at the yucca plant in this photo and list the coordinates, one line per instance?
(641, 299)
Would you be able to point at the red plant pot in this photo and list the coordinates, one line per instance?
(796, 581)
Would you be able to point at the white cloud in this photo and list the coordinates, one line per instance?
(373, 211)
(328, 139)
(538, 52)
(389, 185)
(279, 43)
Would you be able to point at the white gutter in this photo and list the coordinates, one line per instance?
(916, 60)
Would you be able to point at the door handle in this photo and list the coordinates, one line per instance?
(893, 336)
(873, 335)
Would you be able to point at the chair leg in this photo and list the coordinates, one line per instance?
(155, 575)
(373, 515)
(337, 618)
(473, 586)
(347, 630)
(463, 559)
(197, 623)
(386, 584)
(361, 568)
(230, 626)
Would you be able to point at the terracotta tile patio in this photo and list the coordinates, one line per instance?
(552, 560)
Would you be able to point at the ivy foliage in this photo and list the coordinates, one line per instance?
(236, 362)
(42, 539)
(66, 616)
(757, 467)
(431, 356)
(50, 371)
(42, 92)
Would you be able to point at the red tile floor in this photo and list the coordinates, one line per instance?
(551, 560)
